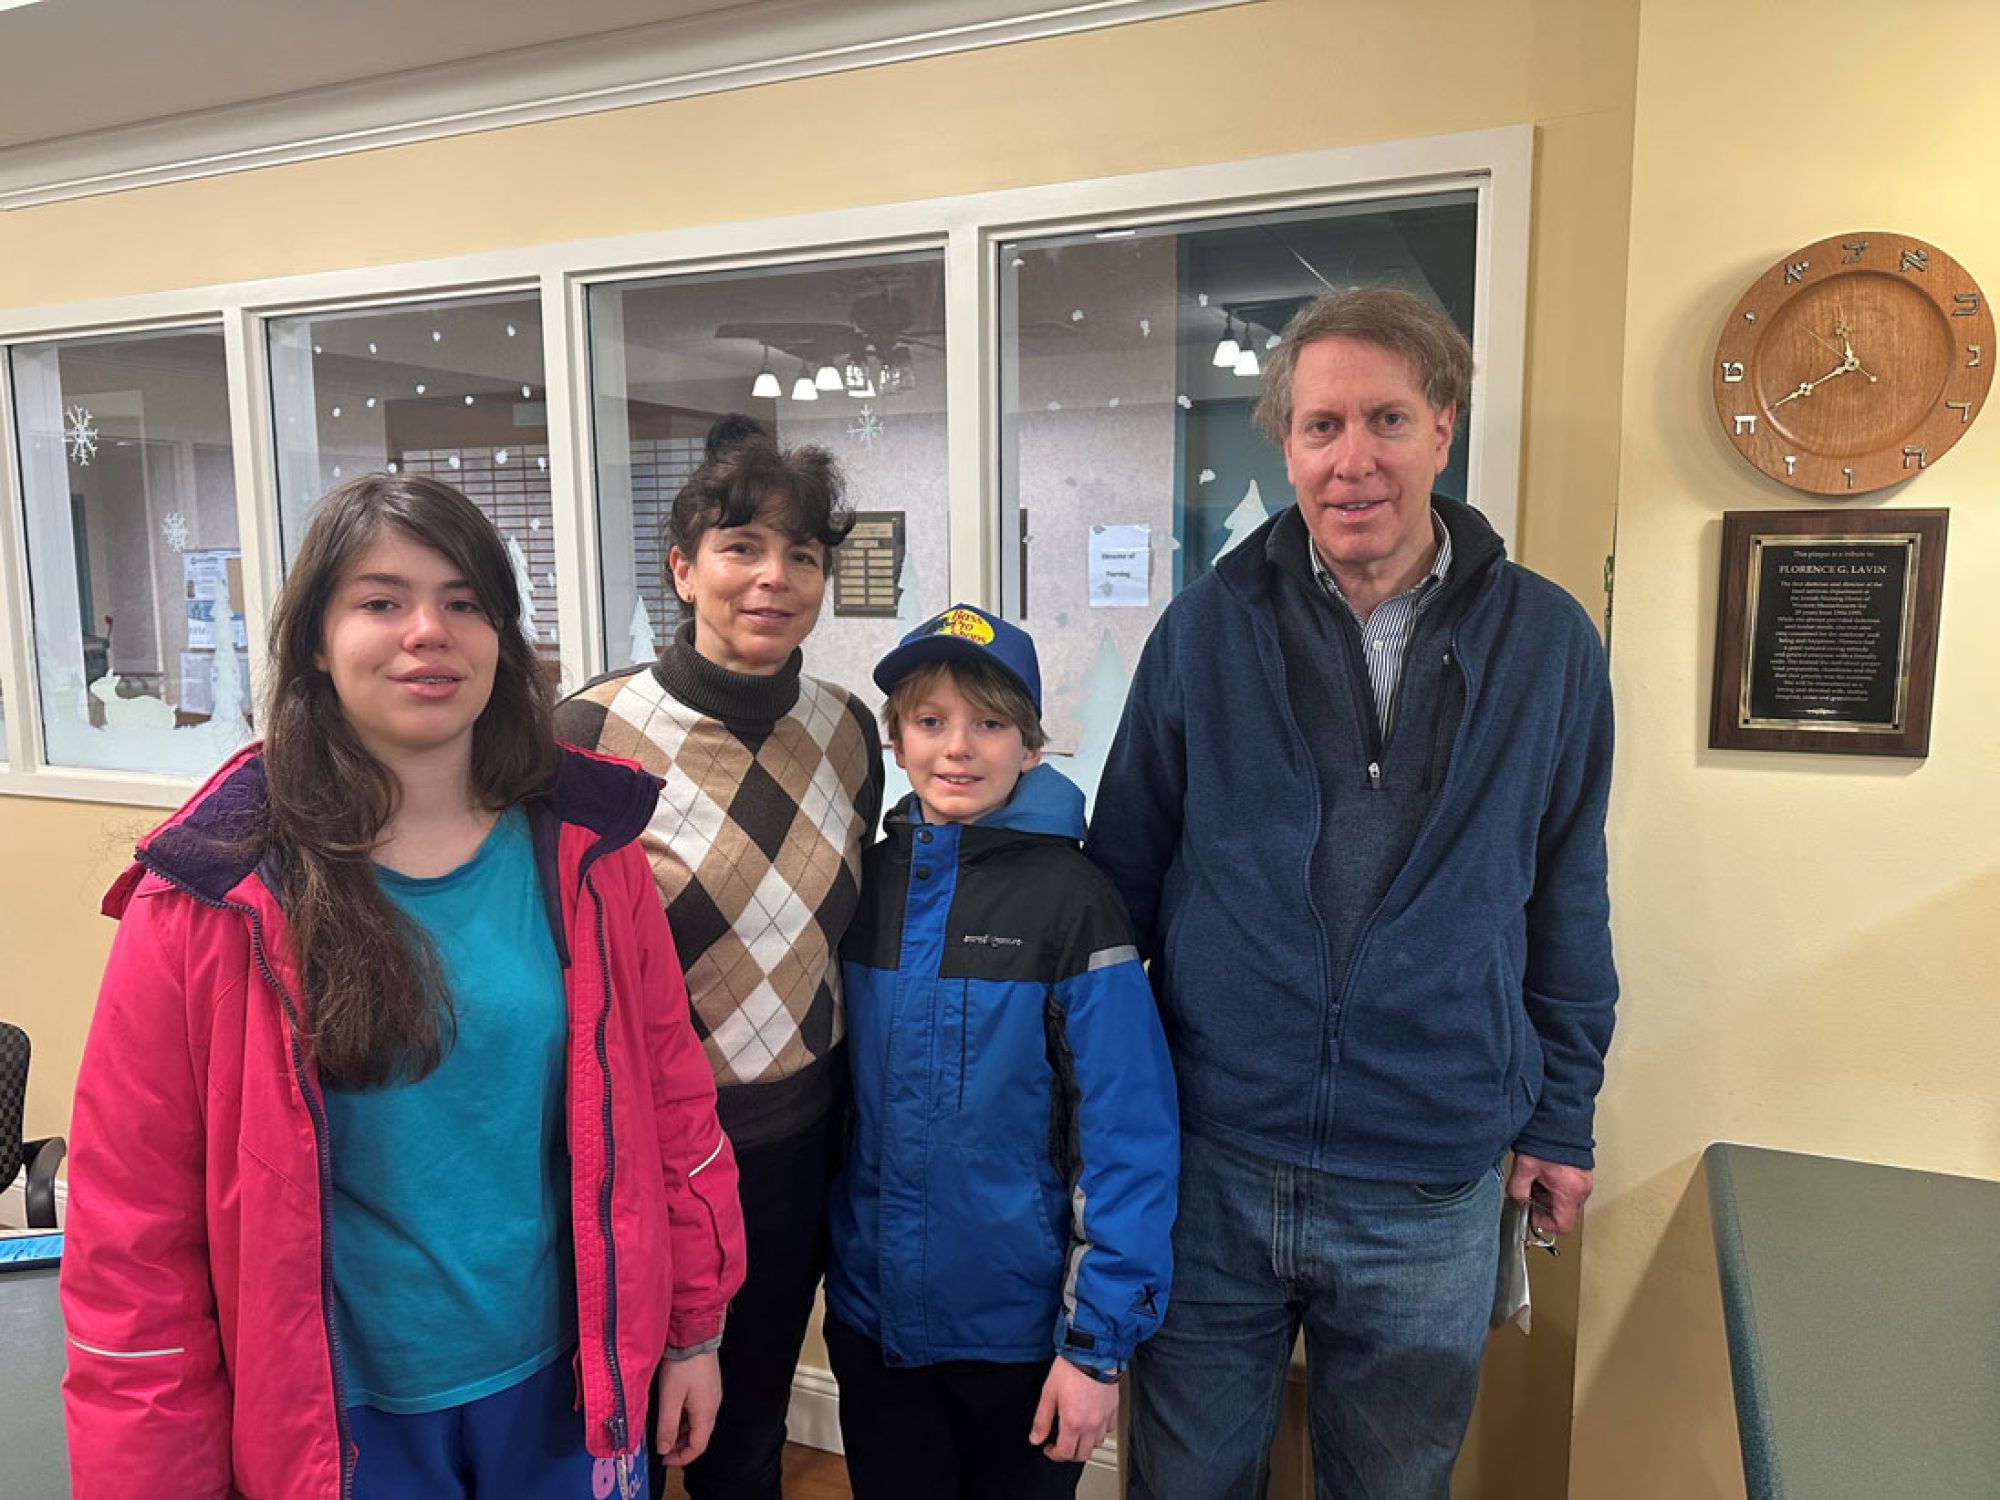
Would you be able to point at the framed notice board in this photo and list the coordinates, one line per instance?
(1827, 631)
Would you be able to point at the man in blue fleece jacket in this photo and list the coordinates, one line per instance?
(1356, 808)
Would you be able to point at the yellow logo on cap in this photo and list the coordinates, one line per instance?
(966, 625)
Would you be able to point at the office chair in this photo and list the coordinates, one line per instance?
(43, 1156)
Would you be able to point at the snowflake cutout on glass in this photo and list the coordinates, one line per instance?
(868, 430)
(174, 529)
(79, 435)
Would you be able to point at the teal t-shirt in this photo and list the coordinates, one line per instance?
(452, 1257)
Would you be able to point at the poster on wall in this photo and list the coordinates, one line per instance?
(1827, 631)
(213, 579)
(1121, 566)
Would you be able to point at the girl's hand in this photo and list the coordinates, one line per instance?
(1080, 1409)
(687, 1397)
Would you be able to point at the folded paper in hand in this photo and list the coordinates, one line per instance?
(1510, 1283)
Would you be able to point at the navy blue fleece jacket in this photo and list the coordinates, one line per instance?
(1474, 1006)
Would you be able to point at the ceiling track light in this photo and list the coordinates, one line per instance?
(1227, 351)
(1246, 360)
(766, 386)
(854, 376)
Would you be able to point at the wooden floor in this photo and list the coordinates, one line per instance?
(809, 1475)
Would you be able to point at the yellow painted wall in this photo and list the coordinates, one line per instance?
(1281, 76)
(1809, 944)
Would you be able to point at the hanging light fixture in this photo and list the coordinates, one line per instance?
(855, 377)
(1226, 349)
(1246, 360)
(828, 378)
(766, 384)
(803, 388)
(899, 370)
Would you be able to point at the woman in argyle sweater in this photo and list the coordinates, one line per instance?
(773, 786)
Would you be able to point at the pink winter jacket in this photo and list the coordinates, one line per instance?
(196, 1278)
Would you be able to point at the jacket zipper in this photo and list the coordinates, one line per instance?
(1433, 772)
(615, 1424)
(1305, 866)
(1453, 659)
(1368, 717)
(316, 1113)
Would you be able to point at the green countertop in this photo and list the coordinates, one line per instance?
(1863, 1305)
(33, 1461)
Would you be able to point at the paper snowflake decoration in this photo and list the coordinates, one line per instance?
(867, 430)
(174, 528)
(79, 435)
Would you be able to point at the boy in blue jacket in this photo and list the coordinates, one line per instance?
(1001, 1231)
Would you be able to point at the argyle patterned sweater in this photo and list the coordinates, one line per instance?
(773, 789)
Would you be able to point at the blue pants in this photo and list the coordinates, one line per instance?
(1393, 1284)
(525, 1442)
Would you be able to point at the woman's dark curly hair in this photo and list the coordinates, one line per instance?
(745, 476)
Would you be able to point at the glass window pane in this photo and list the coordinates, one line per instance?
(1128, 459)
(129, 487)
(453, 389)
(846, 354)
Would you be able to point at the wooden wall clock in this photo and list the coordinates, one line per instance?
(1854, 362)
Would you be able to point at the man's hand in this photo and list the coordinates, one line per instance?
(1553, 1192)
(687, 1397)
(1078, 1407)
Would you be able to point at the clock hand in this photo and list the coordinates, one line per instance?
(1845, 354)
(1807, 387)
(1848, 357)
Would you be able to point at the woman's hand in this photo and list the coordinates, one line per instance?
(1078, 1407)
(687, 1397)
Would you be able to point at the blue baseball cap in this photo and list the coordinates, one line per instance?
(965, 633)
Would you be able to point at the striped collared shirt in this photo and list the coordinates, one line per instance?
(1385, 634)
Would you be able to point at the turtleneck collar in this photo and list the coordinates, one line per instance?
(733, 697)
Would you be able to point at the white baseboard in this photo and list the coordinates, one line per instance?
(14, 1203)
(814, 1420)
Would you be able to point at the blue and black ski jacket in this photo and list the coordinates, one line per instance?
(1009, 1194)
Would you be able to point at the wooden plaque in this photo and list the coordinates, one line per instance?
(868, 566)
(1826, 631)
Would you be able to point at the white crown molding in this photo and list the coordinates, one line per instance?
(750, 45)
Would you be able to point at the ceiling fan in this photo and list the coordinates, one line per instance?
(867, 355)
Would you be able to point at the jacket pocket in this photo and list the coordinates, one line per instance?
(1444, 724)
(993, 1263)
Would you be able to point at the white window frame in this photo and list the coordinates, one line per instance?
(1496, 164)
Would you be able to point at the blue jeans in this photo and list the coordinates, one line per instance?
(1393, 1284)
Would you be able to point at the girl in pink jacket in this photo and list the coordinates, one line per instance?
(395, 1167)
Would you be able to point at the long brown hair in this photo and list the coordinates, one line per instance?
(374, 1006)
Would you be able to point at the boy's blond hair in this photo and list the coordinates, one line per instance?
(985, 687)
